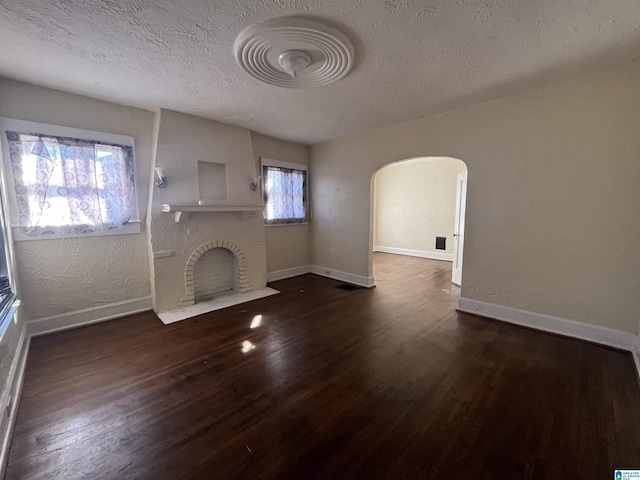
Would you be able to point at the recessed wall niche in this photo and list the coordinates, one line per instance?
(212, 181)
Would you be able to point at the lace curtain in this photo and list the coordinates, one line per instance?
(285, 195)
(71, 186)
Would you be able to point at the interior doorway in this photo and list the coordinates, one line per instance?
(418, 209)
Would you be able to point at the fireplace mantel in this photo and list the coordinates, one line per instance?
(183, 211)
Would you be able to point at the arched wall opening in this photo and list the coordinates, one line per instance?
(412, 202)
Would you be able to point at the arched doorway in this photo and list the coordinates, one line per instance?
(417, 209)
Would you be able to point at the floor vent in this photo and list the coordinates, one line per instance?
(348, 287)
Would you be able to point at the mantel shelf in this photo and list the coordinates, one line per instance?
(183, 211)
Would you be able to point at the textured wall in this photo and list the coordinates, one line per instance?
(64, 275)
(58, 276)
(415, 202)
(287, 245)
(553, 202)
(182, 141)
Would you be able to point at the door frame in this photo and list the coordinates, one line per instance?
(372, 201)
(458, 229)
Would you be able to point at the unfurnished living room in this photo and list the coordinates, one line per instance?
(320, 239)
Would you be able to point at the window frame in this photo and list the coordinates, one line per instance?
(10, 304)
(24, 126)
(269, 162)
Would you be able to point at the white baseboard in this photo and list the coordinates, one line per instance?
(448, 257)
(88, 316)
(15, 379)
(288, 273)
(360, 280)
(546, 323)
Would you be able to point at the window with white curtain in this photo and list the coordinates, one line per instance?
(69, 182)
(285, 192)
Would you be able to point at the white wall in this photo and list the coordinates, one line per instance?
(415, 201)
(287, 245)
(553, 202)
(182, 141)
(65, 275)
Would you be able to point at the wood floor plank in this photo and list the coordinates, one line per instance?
(389, 382)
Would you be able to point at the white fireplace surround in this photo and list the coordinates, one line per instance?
(243, 282)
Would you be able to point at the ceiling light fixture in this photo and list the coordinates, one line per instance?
(294, 52)
(294, 62)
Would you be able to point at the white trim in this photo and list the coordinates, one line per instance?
(269, 225)
(410, 161)
(130, 228)
(359, 280)
(15, 380)
(547, 323)
(288, 273)
(270, 162)
(25, 126)
(88, 316)
(447, 257)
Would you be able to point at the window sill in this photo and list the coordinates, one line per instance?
(8, 313)
(130, 228)
(285, 224)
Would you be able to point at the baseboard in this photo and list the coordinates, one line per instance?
(447, 257)
(88, 316)
(288, 273)
(16, 377)
(359, 280)
(546, 323)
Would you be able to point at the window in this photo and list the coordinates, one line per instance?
(285, 192)
(7, 293)
(69, 182)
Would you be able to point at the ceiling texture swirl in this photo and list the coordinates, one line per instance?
(412, 58)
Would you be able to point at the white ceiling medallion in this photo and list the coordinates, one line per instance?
(294, 52)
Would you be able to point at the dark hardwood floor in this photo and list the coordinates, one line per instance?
(383, 383)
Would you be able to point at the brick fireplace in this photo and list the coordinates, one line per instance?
(240, 280)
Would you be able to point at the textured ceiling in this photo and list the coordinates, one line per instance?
(413, 58)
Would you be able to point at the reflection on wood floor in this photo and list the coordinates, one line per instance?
(319, 382)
